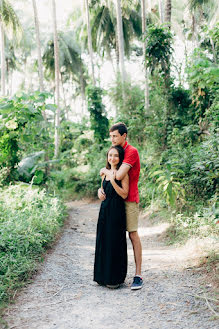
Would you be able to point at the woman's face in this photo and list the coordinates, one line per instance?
(113, 157)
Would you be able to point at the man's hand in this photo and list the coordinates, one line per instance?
(101, 194)
(103, 171)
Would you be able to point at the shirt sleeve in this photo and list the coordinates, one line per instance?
(131, 157)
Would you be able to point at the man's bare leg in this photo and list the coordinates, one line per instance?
(136, 244)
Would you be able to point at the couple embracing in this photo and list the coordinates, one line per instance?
(119, 212)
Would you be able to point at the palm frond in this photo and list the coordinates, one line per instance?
(9, 19)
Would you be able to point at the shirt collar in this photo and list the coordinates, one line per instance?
(125, 145)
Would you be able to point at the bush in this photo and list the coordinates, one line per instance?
(29, 221)
(203, 223)
(23, 130)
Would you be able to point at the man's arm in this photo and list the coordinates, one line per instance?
(120, 174)
(123, 170)
(104, 171)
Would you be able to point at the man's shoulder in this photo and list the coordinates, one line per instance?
(131, 148)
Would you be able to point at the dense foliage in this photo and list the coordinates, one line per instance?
(98, 119)
(24, 131)
(29, 219)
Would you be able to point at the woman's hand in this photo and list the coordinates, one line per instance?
(101, 194)
(112, 175)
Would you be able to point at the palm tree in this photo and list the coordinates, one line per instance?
(168, 11)
(26, 46)
(57, 73)
(11, 61)
(90, 40)
(143, 9)
(203, 12)
(71, 64)
(40, 66)
(120, 39)
(104, 27)
(161, 10)
(8, 22)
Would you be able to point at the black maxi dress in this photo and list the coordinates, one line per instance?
(110, 265)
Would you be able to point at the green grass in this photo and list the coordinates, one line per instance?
(29, 222)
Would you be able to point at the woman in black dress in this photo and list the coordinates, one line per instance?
(110, 266)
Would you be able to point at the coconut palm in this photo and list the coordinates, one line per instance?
(9, 23)
(168, 11)
(90, 40)
(57, 82)
(71, 64)
(143, 9)
(161, 11)
(202, 12)
(104, 27)
(26, 46)
(11, 61)
(40, 66)
(120, 39)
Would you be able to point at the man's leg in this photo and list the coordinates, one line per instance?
(136, 244)
(132, 213)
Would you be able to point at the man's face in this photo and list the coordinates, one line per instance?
(116, 138)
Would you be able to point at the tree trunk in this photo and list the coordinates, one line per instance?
(168, 10)
(117, 53)
(57, 82)
(146, 93)
(120, 39)
(213, 51)
(83, 97)
(7, 76)
(2, 59)
(161, 10)
(40, 66)
(10, 80)
(64, 97)
(194, 32)
(90, 41)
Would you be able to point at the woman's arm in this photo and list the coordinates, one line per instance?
(101, 194)
(122, 191)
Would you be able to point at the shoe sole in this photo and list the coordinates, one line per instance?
(112, 286)
(136, 288)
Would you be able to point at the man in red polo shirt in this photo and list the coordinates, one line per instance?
(130, 165)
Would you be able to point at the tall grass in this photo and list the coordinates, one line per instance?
(29, 221)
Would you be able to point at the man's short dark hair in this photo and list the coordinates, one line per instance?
(120, 126)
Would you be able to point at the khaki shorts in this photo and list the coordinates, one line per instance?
(132, 213)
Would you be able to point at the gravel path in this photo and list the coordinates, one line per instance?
(64, 296)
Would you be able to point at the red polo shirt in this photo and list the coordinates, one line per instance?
(132, 159)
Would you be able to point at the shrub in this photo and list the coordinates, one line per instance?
(29, 221)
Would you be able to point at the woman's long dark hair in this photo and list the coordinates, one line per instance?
(121, 156)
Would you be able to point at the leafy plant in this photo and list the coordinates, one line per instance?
(203, 79)
(98, 119)
(169, 185)
(23, 129)
(158, 48)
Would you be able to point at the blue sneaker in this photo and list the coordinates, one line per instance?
(137, 283)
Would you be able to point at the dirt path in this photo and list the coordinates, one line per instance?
(63, 294)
